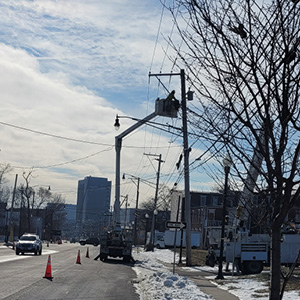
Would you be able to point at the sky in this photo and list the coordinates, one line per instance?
(155, 281)
(68, 68)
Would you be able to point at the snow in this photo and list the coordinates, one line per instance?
(155, 281)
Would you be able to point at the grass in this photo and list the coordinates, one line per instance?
(198, 256)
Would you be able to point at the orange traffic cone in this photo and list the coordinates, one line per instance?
(48, 273)
(78, 258)
(87, 253)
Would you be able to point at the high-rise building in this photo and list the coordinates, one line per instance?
(93, 204)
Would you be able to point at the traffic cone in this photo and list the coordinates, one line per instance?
(87, 253)
(48, 273)
(78, 258)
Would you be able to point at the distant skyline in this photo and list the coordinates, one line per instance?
(68, 68)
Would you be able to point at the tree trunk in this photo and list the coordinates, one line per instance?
(275, 263)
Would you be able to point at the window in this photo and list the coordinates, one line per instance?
(215, 200)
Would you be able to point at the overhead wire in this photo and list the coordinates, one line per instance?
(53, 135)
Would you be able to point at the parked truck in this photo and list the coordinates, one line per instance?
(250, 253)
(116, 242)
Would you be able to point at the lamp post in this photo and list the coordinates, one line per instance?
(227, 162)
(146, 227)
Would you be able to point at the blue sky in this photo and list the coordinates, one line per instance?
(67, 68)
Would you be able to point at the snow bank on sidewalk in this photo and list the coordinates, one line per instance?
(155, 282)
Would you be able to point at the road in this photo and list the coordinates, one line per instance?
(21, 277)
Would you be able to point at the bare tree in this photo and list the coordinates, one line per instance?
(4, 169)
(4, 190)
(42, 196)
(55, 214)
(163, 200)
(26, 195)
(242, 59)
(148, 205)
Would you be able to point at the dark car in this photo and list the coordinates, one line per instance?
(89, 241)
(73, 240)
(29, 242)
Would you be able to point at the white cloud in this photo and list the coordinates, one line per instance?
(68, 67)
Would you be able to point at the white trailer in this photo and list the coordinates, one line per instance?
(290, 247)
(168, 240)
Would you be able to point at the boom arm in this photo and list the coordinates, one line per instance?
(118, 146)
(252, 175)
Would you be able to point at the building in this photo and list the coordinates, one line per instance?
(206, 211)
(93, 205)
(70, 210)
(69, 227)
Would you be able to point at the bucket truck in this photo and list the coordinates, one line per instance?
(251, 252)
(117, 241)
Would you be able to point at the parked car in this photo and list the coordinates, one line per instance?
(73, 240)
(29, 242)
(90, 241)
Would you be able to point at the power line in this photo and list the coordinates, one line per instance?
(54, 135)
(68, 138)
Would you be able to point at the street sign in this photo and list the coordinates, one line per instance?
(178, 225)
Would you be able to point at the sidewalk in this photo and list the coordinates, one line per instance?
(204, 284)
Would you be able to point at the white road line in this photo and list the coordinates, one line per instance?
(4, 258)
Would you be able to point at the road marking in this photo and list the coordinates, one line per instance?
(4, 258)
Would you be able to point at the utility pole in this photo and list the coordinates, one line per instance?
(126, 205)
(151, 245)
(132, 177)
(186, 150)
(136, 210)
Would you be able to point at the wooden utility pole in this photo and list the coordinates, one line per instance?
(186, 150)
(151, 244)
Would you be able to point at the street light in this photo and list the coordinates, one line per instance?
(227, 162)
(117, 123)
(146, 227)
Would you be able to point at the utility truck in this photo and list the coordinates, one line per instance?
(250, 253)
(116, 242)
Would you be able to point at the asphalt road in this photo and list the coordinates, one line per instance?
(21, 277)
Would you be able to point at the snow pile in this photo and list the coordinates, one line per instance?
(253, 289)
(154, 281)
